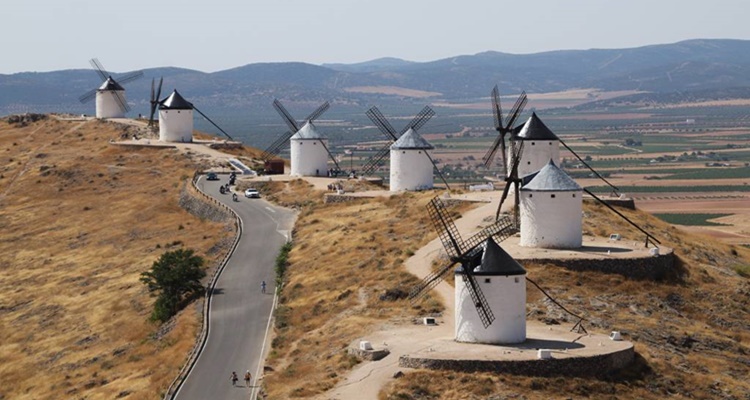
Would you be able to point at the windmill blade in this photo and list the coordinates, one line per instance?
(446, 228)
(419, 120)
(511, 177)
(212, 122)
(487, 159)
(97, 66)
(447, 186)
(88, 96)
(381, 122)
(331, 156)
(154, 100)
(501, 229)
(502, 198)
(516, 111)
(614, 188)
(480, 301)
(290, 122)
(274, 148)
(130, 77)
(318, 112)
(372, 164)
(121, 101)
(429, 282)
(648, 235)
(497, 109)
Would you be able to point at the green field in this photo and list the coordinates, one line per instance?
(673, 189)
(691, 219)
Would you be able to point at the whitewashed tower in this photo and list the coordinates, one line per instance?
(175, 119)
(540, 145)
(110, 100)
(503, 282)
(551, 209)
(309, 154)
(411, 167)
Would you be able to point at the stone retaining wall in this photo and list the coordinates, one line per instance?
(628, 203)
(196, 204)
(369, 355)
(598, 365)
(649, 267)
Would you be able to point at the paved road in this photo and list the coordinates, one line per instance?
(239, 311)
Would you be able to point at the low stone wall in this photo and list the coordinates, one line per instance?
(598, 365)
(197, 205)
(628, 203)
(649, 267)
(369, 355)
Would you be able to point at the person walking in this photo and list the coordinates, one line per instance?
(263, 287)
(247, 378)
(234, 378)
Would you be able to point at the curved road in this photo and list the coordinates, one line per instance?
(239, 311)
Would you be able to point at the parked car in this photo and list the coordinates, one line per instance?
(252, 193)
(212, 176)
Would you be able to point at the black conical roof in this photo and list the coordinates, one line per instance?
(494, 261)
(175, 102)
(110, 84)
(534, 129)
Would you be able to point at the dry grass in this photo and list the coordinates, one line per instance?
(345, 256)
(691, 329)
(81, 219)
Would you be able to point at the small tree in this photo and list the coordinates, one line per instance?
(176, 276)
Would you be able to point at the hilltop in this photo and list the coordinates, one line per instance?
(346, 278)
(81, 219)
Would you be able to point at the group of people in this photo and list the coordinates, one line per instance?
(335, 186)
(234, 378)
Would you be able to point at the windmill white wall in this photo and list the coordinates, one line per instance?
(535, 155)
(540, 145)
(410, 170)
(551, 210)
(176, 126)
(107, 104)
(308, 157)
(507, 298)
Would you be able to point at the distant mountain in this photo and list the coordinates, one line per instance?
(693, 65)
(376, 65)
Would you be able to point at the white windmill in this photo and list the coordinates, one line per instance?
(540, 145)
(551, 209)
(175, 116)
(110, 95)
(491, 292)
(411, 167)
(309, 148)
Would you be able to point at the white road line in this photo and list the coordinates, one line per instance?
(263, 348)
(270, 209)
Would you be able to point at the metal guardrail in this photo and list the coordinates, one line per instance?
(174, 387)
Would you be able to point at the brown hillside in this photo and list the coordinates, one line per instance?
(80, 219)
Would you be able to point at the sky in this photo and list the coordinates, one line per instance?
(213, 35)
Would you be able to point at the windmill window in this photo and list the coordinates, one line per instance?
(528, 162)
(314, 143)
(419, 152)
(550, 143)
(552, 195)
(516, 280)
(574, 195)
(531, 195)
(403, 152)
(533, 144)
(487, 280)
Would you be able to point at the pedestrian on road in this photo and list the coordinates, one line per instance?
(263, 287)
(234, 378)
(247, 378)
